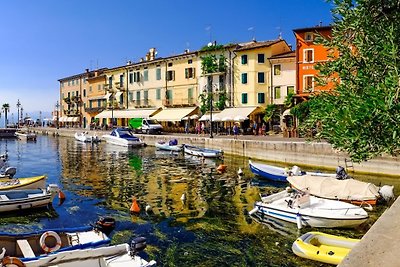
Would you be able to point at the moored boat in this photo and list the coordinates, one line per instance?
(33, 182)
(306, 210)
(25, 135)
(31, 249)
(172, 145)
(123, 137)
(86, 137)
(323, 247)
(203, 152)
(13, 200)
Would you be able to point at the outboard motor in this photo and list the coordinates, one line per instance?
(386, 192)
(105, 225)
(296, 170)
(137, 244)
(8, 171)
(173, 142)
(341, 173)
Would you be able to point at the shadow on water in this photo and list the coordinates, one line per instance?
(190, 214)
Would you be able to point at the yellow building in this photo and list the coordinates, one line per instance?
(96, 96)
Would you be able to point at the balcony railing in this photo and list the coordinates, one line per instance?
(96, 109)
(179, 102)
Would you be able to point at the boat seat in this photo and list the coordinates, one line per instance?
(25, 248)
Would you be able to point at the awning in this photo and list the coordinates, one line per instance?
(72, 119)
(127, 113)
(215, 117)
(117, 95)
(239, 114)
(175, 114)
(286, 113)
(62, 119)
(97, 97)
(108, 96)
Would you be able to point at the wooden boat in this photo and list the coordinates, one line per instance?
(25, 135)
(33, 182)
(279, 174)
(122, 255)
(13, 200)
(306, 210)
(203, 152)
(86, 137)
(323, 247)
(30, 249)
(349, 190)
(123, 137)
(169, 146)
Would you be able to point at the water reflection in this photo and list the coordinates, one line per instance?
(210, 227)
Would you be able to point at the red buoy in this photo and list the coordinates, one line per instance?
(61, 194)
(134, 207)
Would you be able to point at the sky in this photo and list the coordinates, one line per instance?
(42, 41)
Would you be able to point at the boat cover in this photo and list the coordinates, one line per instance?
(332, 188)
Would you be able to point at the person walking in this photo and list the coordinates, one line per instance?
(255, 127)
(235, 131)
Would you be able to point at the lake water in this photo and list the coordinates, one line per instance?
(211, 228)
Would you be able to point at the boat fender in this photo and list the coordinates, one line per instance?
(43, 241)
(14, 261)
(298, 221)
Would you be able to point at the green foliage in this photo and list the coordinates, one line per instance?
(220, 104)
(213, 63)
(212, 48)
(362, 115)
(271, 111)
(204, 102)
(289, 100)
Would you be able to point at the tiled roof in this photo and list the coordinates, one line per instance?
(311, 29)
(285, 55)
(255, 44)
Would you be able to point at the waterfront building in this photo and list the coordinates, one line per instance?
(96, 97)
(308, 55)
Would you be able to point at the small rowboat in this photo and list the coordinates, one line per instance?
(306, 210)
(161, 145)
(86, 138)
(25, 135)
(203, 152)
(323, 247)
(23, 183)
(12, 200)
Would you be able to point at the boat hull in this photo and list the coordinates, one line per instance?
(167, 147)
(122, 142)
(86, 138)
(202, 152)
(268, 172)
(26, 136)
(323, 247)
(23, 183)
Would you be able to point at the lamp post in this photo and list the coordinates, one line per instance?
(18, 106)
(57, 106)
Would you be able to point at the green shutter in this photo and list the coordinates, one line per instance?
(244, 78)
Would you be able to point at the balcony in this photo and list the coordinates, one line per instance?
(93, 110)
(180, 102)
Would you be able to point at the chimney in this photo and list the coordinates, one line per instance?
(128, 62)
(87, 70)
(141, 59)
(152, 53)
(186, 51)
(148, 56)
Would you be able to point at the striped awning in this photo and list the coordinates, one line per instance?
(175, 114)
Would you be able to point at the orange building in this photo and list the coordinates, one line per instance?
(308, 54)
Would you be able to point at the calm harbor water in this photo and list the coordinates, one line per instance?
(210, 228)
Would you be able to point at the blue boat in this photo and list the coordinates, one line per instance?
(268, 172)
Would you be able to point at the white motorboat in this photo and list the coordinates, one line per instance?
(13, 200)
(25, 135)
(86, 137)
(305, 210)
(123, 137)
(121, 255)
(172, 145)
(203, 152)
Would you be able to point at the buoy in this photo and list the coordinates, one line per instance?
(183, 197)
(148, 208)
(240, 172)
(135, 207)
(221, 168)
(298, 221)
(61, 195)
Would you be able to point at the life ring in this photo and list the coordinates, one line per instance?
(43, 241)
(12, 261)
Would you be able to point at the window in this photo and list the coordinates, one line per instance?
(136, 76)
(170, 64)
(190, 61)
(130, 96)
(73, 82)
(244, 59)
(190, 95)
(244, 98)
(84, 80)
(99, 87)
(84, 92)
(145, 75)
(158, 74)
(261, 98)
(189, 73)
(261, 77)
(158, 93)
(277, 69)
(146, 97)
(308, 83)
(69, 83)
(261, 58)
(90, 88)
(121, 80)
(130, 77)
(308, 36)
(290, 90)
(138, 98)
(170, 75)
(244, 78)
(277, 92)
(110, 81)
(308, 55)
(169, 96)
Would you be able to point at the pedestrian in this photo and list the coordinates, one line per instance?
(197, 127)
(202, 128)
(235, 131)
(264, 129)
(187, 127)
(255, 127)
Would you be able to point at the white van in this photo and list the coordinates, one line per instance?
(151, 126)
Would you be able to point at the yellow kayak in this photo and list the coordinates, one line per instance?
(23, 183)
(323, 247)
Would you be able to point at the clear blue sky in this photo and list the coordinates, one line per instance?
(45, 40)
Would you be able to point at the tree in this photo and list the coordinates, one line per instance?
(6, 109)
(271, 111)
(362, 115)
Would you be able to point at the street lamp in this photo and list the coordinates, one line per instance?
(18, 106)
(57, 106)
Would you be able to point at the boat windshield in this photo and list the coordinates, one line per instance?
(125, 133)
